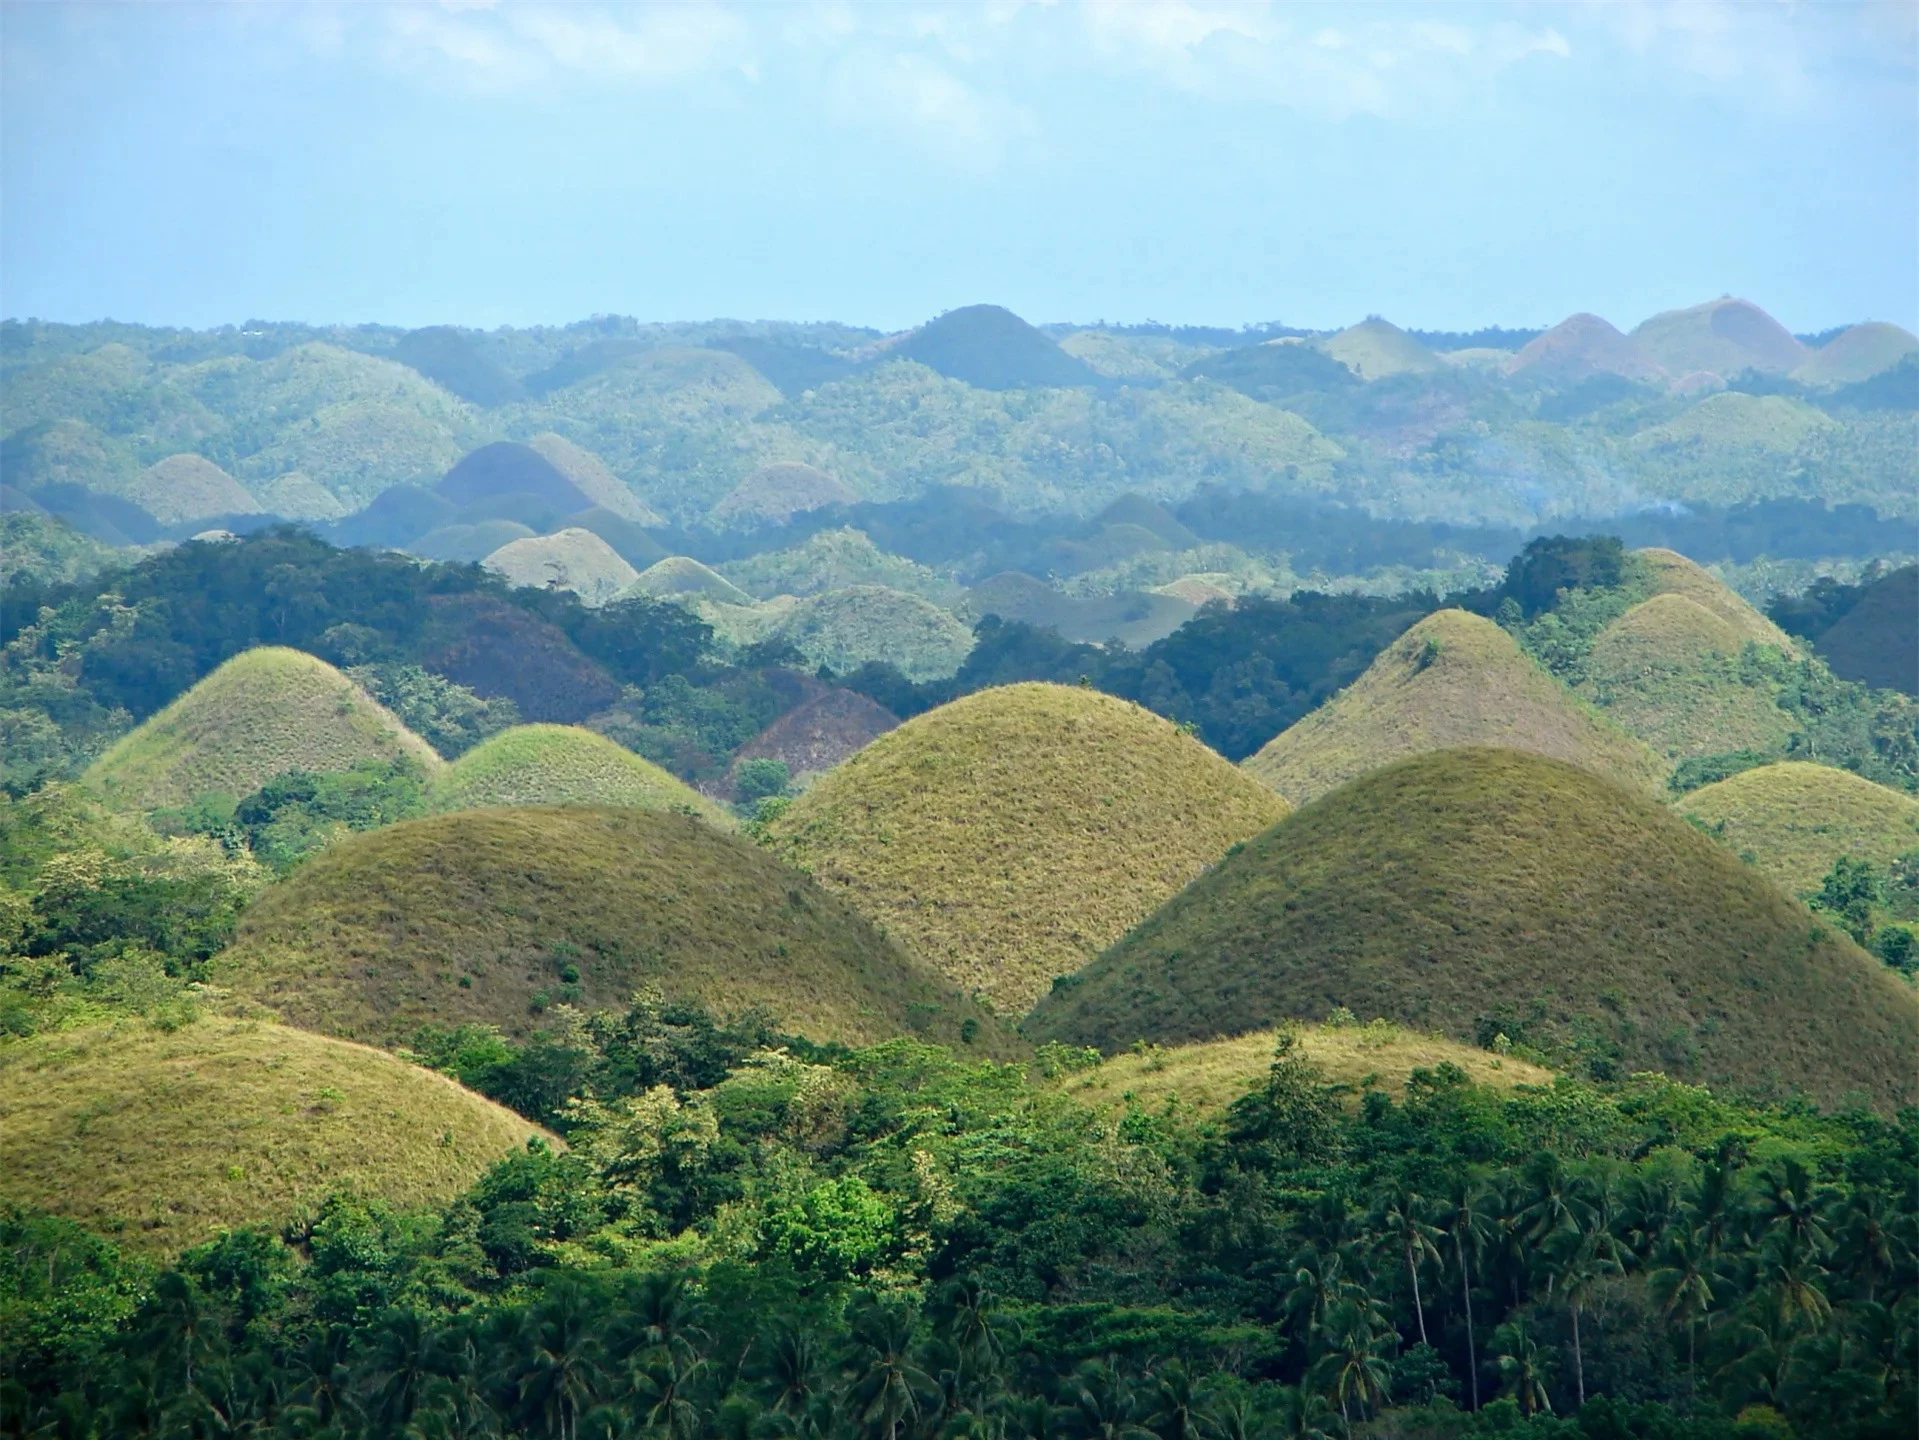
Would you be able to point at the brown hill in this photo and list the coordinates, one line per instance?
(1579, 347)
(1876, 642)
(1453, 679)
(1857, 353)
(819, 734)
(1723, 337)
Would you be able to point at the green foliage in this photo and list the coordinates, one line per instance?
(760, 779)
(449, 717)
(298, 812)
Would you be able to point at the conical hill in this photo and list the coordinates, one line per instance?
(1008, 836)
(165, 1138)
(1482, 891)
(490, 916)
(564, 765)
(1452, 679)
(264, 711)
(1673, 574)
(1794, 819)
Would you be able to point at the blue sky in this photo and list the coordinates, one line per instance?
(1448, 166)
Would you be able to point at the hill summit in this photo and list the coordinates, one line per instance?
(264, 711)
(991, 348)
(1452, 679)
(1721, 337)
(1579, 347)
(1483, 891)
(1008, 836)
(1794, 819)
(563, 765)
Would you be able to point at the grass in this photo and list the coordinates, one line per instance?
(164, 1138)
(1481, 891)
(592, 479)
(571, 559)
(774, 494)
(563, 765)
(187, 487)
(1857, 353)
(491, 916)
(1208, 1076)
(1794, 819)
(1453, 679)
(681, 575)
(1667, 671)
(267, 710)
(1579, 346)
(843, 629)
(1009, 836)
(1376, 348)
(1673, 574)
(1721, 336)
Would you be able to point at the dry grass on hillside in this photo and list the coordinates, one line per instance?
(571, 559)
(564, 765)
(1673, 574)
(268, 710)
(679, 575)
(490, 916)
(168, 1137)
(1453, 679)
(1480, 890)
(1008, 836)
(1794, 819)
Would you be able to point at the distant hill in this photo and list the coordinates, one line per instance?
(774, 494)
(1007, 836)
(589, 475)
(507, 468)
(843, 629)
(496, 649)
(563, 765)
(488, 916)
(468, 544)
(680, 575)
(1452, 679)
(66, 452)
(631, 541)
(267, 710)
(1133, 508)
(1274, 371)
(1674, 574)
(452, 360)
(1377, 348)
(189, 487)
(1857, 353)
(1136, 618)
(991, 348)
(1579, 347)
(1723, 337)
(1666, 672)
(182, 1134)
(571, 559)
(1794, 819)
(298, 496)
(1876, 642)
(833, 560)
(813, 737)
(1483, 891)
(396, 517)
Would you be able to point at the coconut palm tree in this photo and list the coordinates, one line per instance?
(1399, 1214)
(889, 1387)
(559, 1367)
(1099, 1405)
(1353, 1369)
(1522, 1366)
(1468, 1220)
(1682, 1288)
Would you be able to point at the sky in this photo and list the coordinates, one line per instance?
(1194, 161)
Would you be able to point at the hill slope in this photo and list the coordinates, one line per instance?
(1453, 679)
(774, 494)
(1857, 353)
(1674, 574)
(592, 479)
(991, 348)
(682, 575)
(189, 487)
(483, 915)
(1794, 819)
(264, 711)
(1009, 835)
(1374, 349)
(563, 765)
(843, 629)
(1721, 336)
(1666, 672)
(1483, 890)
(224, 1123)
(571, 559)
(1876, 642)
(1578, 347)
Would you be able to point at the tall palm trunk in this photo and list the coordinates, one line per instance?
(1579, 1361)
(1466, 1287)
(1418, 1307)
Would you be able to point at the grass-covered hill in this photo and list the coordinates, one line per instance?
(590, 477)
(1722, 337)
(1667, 672)
(189, 487)
(991, 348)
(818, 734)
(844, 629)
(262, 712)
(1375, 348)
(1794, 819)
(1009, 836)
(1578, 348)
(1452, 679)
(468, 544)
(491, 916)
(1134, 618)
(1877, 640)
(571, 559)
(1208, 1075)
(506, 468)
(562, 765)
(1673, 574)
(679, 575)
(774, 494)
(168, 1137)
(1482, 891)
(1857, 353)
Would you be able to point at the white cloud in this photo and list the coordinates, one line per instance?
(903, 93)
(506, 45)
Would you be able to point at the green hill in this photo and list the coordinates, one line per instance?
(1667, 672)
(591, 478)
(1673, 574)
(1794, 819)
(991, 348)
(264, 711)
(1135, 618)
(629, 540)
(1857, 353)
(189, 487)
(1377, 348)
(843, 629)
(1723, 337)
(468, 544)
(489, 916)
(1453, 679)
(1010, 835)
(563, 765)
(1876, 642)
(774, 494)
(298, 496)
(571, 559)
(166, 1138)
(679, 575)
(1478, 891)
(833, 560)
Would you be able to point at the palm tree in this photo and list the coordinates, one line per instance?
(1792, 1202)
(792, 1368)
(558, 1371)
(660, 1388)
(1870, 1239)
(1520, 1364)
(1712, 1211)
(1099, 1405)
(1467, 1217)
(407, 1356)
(1297, 1414)
(1794, 1276)
(1399, 1214)
(1577, 1264)
(1554, 1202)
(889, 1384)
(1353, 1370)
(1682, 1289)
(1179, 1407)
(183, 1328)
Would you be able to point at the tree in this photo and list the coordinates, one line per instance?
(1522, 1367)
(1099, 1405)
(1682, 1288)
(1353, 1369)
(889, 1386)
(558, 1371)
(1399, 1214)
(1467, 1217)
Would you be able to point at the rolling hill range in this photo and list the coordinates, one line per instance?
(1008, 836)
(224, 1123)
(563, 765)
(491, 915)
(1452, 679)
(1794, 819)
(1857, 353)
(264, 711)
(1480, 890)
(1666, 672)
(1579, 347)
